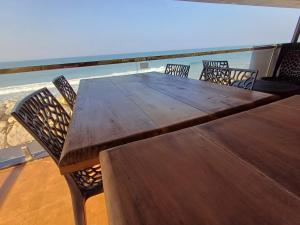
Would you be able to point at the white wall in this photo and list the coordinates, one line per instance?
(264, 61)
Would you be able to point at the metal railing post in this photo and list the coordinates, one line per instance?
(296, 32)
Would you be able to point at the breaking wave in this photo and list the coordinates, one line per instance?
(17, 90)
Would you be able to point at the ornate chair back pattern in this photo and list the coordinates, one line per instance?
(42, 115)
(45, 119)
(177, 70)
(289, 69)
(65, 90)
(212, 63)
(241, 78)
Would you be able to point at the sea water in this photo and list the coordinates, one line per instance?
(15, 86)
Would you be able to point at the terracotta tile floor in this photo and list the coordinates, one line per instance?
(36, 193)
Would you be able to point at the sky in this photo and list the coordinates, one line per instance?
(35, 29)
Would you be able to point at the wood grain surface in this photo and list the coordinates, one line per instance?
(118, 110)
(242, 169)
(267, 137)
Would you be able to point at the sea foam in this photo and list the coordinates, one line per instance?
(17, 91)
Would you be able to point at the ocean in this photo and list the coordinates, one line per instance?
(15, 86)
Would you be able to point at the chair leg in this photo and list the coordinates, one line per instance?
(78, 202)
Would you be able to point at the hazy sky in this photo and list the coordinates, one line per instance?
(36, 29)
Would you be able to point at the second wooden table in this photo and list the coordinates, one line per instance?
(243, 169)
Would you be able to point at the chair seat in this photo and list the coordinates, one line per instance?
(276, 87)
(291, 80)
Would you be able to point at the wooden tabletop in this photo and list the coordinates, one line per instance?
(242, 169)
(118, 110)
(267, 137)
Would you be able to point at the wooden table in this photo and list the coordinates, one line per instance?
(242, 169)
(118, 110)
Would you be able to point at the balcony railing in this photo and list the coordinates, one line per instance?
(21, 147)
(131, 60)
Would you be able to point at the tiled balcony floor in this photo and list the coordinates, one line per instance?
(36, 193)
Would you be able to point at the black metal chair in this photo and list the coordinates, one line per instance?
(215, 63)
(287, 67)
(286, 76)
(65, 90)
(46, 120)
(178, 70)
(290, 68)
(212, 63)
(241, 78)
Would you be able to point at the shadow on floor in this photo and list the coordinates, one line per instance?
(36, 193)
(9, 182)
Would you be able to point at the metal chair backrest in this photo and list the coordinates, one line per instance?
(213, 63)
(242, 78)
(178, 70)
(289, 69)
(65, 90)
(45, 119)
